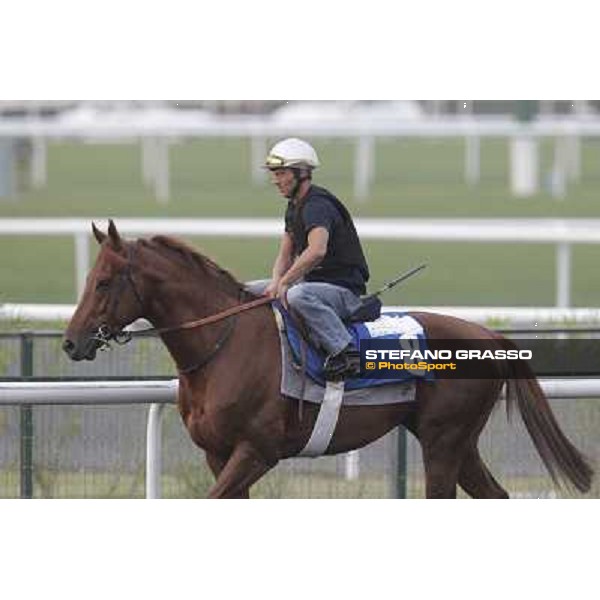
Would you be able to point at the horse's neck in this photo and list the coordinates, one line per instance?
(187, 301)
(182, 302)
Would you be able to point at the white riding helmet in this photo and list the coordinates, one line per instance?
(291, 152)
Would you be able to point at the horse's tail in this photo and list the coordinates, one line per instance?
(564, 462)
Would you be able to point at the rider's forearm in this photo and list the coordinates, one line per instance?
(284, 258)
(281, 265)
(307, 261)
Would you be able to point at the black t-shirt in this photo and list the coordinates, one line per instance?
(344, 263)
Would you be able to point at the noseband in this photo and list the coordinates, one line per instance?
(104, 335)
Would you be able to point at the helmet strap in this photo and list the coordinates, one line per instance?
(299, 178)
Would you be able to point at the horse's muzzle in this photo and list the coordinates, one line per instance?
(81, 351)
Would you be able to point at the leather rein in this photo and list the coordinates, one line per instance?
(105, 333)
(224, 314)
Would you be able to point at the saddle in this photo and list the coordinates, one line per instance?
(305, 357)
(369, 310)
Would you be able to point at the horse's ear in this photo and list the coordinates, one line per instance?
(113, 234)
(100, 237)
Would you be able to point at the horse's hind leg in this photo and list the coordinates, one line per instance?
(442, 462)
(439, 460)
(476, 480)
(451, 415)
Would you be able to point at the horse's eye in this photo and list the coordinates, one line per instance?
(103, 285)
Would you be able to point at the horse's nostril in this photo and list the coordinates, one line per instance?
(68, 346)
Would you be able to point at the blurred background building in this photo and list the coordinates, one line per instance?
(431, 108)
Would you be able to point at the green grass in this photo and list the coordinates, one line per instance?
(195, 482)
(187, 483)
(413, 178)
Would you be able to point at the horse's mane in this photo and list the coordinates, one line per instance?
(196, 261)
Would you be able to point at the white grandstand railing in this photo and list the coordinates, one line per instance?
(563, 233)
(160, 393)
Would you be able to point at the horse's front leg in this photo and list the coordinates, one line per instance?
(217, 464)
(244, 467)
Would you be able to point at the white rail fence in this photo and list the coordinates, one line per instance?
(156, 137)
(160, 393)
(93, 393)
(562, 233)
(517, 316)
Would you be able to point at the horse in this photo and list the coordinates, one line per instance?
(230, 371)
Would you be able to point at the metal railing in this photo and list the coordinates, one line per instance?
(28, 392)
(159, 393)
(156, 393)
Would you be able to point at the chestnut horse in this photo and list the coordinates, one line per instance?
(230, 373)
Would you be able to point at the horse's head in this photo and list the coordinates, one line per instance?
(113, 298)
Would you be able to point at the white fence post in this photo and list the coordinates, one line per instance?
(258, 153)
(573, 143)
(524, 166)
(154, 451)
(352, 465)
(155, 167)
(560, 168)
(563, 274)
(363, 166)
(39, 170)
(148, 160)
(162, 181)
(82, 261)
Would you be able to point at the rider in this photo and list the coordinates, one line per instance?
(320, 270)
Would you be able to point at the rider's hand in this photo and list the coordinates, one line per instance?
(281, 295)
(271, 289)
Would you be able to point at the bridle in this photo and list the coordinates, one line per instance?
(105, 334)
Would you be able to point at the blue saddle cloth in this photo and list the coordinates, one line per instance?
(359, 331)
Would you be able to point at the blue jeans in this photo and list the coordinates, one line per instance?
(322, 306)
